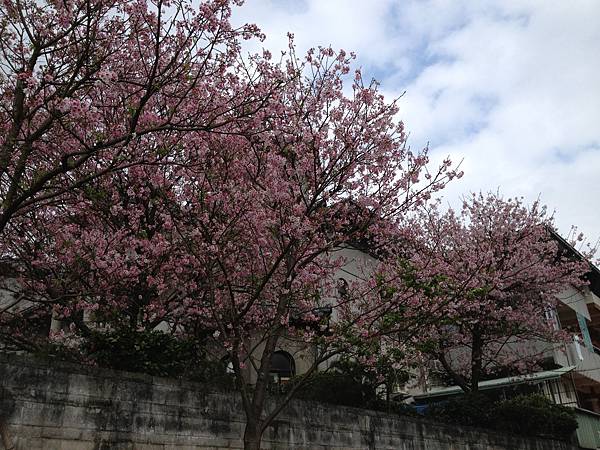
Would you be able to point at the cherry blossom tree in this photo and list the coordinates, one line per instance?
(497, 270)
(88, 87)
(268, 212)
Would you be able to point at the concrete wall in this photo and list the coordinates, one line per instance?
(66, 407)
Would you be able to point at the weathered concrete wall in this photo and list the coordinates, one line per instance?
(65, 407)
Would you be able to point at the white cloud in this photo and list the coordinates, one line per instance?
(510, 86)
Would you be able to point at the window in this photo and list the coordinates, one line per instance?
(283, 366)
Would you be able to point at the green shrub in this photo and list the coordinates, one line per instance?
(529, 415)
(347, 389)
(535, 414)
(151, 352)
(337, 388)
(473, 409)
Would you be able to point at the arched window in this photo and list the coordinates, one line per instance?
(283, 366)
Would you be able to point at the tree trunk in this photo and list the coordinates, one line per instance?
(476, 359)
(252, 436)
(458, 379)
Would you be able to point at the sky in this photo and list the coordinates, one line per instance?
(510, 88)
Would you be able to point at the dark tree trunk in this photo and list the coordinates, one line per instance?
(458, 379)
(476, 360)
(252, 436)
